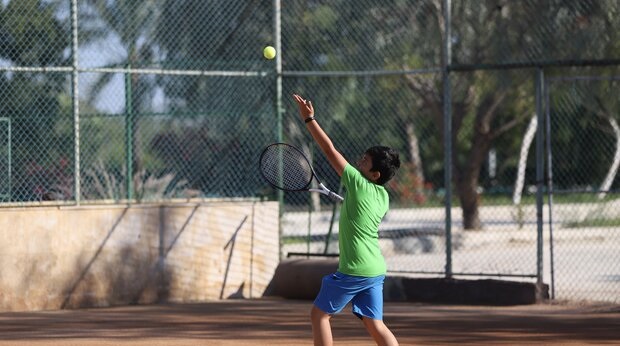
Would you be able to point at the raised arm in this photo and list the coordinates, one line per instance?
(306, 112)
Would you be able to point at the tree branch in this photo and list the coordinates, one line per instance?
(506, 127)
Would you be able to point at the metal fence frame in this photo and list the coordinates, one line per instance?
(447, 70)
(9, 158)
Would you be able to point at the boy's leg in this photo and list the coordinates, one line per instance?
(368, 306)
(379, 332)
(333, 296)
(321, 328)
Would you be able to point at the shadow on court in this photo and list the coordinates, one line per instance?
(286, 322)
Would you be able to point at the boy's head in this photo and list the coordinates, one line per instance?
(379, 164)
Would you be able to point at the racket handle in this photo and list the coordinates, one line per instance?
(335, 197)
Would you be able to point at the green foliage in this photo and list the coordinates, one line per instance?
(32, 36)
(101, 183)
(595, 223)
(222, 122)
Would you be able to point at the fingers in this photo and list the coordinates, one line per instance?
(298, 98)
(301, 100)
(304, 105)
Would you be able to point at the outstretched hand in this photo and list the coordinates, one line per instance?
(306, 109)
(337, 161)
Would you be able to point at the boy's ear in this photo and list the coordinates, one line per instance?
(375, 176)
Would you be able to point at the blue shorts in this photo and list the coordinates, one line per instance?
(364, 293)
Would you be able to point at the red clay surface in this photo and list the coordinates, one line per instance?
(286, 322)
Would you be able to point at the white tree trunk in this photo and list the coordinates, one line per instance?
(613, 170)
(414, 151)
(525, 148)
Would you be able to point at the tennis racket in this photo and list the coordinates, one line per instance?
(287, 168)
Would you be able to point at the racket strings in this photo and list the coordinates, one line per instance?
(286, 168)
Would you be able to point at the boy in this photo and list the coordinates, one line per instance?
(361, 267)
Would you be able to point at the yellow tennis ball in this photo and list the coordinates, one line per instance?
(269, 52)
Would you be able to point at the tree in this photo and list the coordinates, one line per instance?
(487, 105)
(135, 26)
(489, 108)
(219, 123)
(32, 36)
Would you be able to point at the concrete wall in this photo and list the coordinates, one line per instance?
(70, 257)
(301, 279)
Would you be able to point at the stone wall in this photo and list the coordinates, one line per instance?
(90, 256)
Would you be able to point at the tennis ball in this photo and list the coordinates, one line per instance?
(269, 52)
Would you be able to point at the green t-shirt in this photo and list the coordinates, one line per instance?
(362, 210)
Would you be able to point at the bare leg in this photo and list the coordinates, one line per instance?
(379, 332)
(321, 328)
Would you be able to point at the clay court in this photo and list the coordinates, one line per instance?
(285, 322)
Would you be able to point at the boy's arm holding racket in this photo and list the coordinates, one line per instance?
(306, 112)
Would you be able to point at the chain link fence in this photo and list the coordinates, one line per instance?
(118, 101)
(586, 230)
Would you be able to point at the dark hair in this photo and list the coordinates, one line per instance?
(385, 160)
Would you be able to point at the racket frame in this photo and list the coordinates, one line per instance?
(321, 188)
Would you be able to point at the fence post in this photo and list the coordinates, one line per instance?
(76, 103)
(447, 116)
(277, 30)
(549, 184)
(540, 173)
(5, 194)
(129, 133)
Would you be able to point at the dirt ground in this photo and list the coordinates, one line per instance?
(285, 322)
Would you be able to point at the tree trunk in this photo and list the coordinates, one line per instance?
(414, 151)
(468, 195)
(416, 160)
(467, 185)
